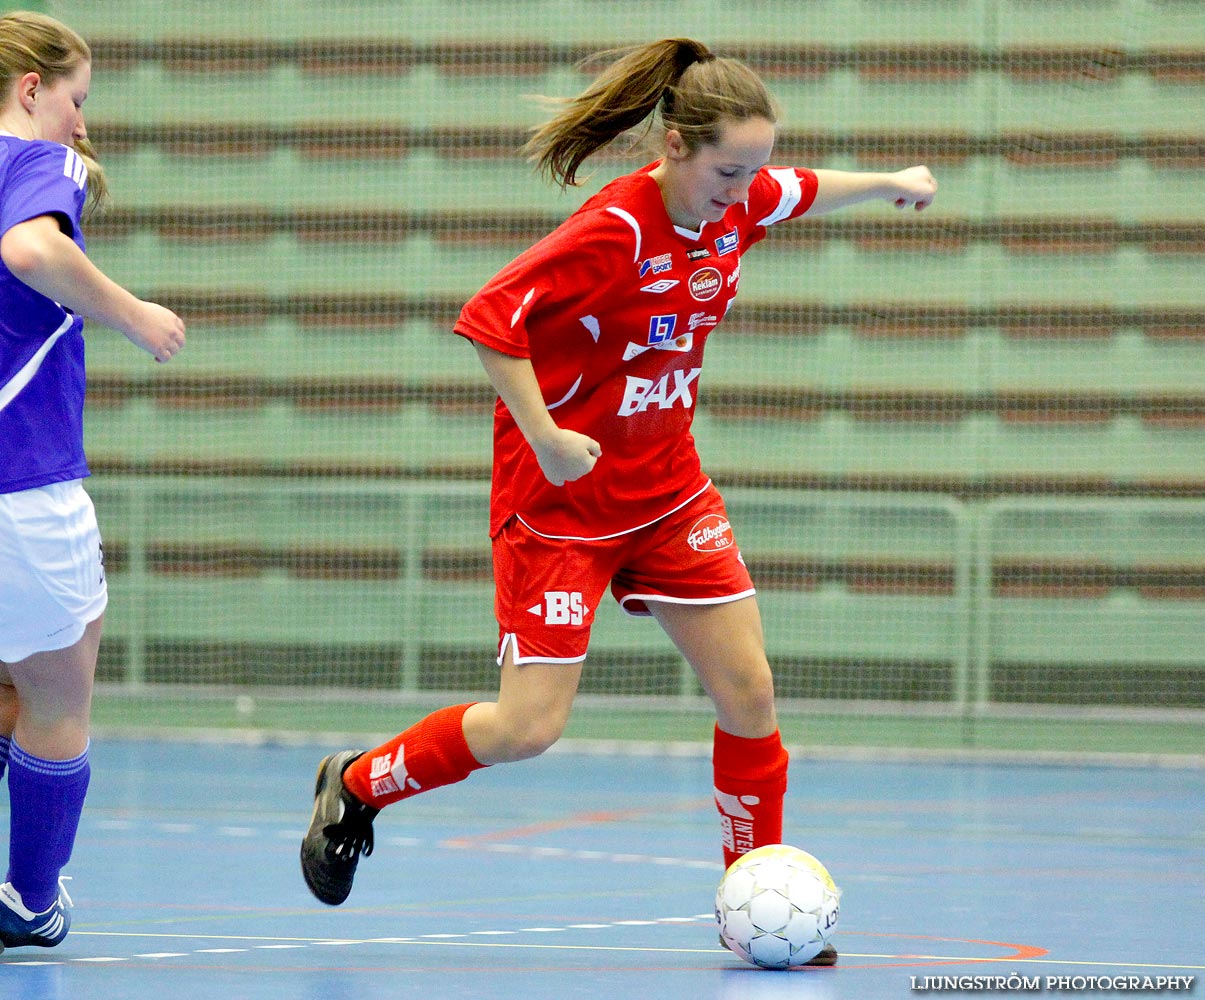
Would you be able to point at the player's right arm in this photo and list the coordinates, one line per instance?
(913, 187)
(564, 455)
(45, 258)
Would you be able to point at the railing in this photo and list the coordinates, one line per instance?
(872, 585)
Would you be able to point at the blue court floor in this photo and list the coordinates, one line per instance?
(577, 875)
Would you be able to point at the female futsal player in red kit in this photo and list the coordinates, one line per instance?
(594, 341)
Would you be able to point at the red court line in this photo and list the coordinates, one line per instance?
(1021, 952)
(572, 821)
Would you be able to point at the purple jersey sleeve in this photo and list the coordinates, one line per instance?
(42, 178)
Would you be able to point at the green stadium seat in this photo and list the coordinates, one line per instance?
(278, 437)
(320, 248)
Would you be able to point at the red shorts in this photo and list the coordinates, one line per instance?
(547, 589)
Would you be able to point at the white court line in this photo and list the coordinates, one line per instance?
(1112, 964)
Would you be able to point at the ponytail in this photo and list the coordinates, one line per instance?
(693, 88)
(98, 185)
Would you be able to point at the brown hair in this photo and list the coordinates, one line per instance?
(35, 43)
(692, 88)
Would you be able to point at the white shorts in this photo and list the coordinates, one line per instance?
(52, 573)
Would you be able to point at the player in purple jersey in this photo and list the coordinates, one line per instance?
(52, 586)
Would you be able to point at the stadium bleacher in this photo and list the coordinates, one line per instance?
(318, 203)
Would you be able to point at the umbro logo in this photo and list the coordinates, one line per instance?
(657, 287)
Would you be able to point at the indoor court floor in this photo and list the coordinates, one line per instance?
(592, 875)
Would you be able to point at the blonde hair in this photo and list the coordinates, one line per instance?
(35, 43)
(693, 89)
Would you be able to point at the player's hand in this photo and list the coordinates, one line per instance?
(915, 186)
(566, 455)
(158, 331)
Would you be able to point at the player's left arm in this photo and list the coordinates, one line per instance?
(564, 455)
(46, 259)
(914, 187)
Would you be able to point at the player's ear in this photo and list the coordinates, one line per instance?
(675, 146)
(27, 88)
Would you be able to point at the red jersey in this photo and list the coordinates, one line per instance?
(613, 308)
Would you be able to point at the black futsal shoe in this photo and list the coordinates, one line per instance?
(340, 831)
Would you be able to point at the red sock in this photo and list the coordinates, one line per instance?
(750, 784)
(431, 753)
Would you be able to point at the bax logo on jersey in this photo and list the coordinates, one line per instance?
(641, 393)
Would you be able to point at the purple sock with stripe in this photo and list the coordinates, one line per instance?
(46, 799)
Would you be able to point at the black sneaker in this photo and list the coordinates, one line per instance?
(340, 831)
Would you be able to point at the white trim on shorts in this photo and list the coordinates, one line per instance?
(727, 599)
(510, 637)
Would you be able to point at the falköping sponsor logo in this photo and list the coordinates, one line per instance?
(711, 533)
(706, 283)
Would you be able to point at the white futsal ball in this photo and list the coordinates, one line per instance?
(777, 906)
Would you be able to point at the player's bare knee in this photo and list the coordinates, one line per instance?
(761, 695)
(746, 703)
(533, 738)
